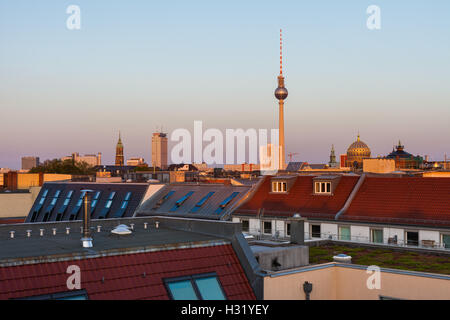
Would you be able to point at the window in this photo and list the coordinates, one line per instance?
(446, 240)
(76, 209)
(49, 209)
(225, 202)
(95, 201)
(196, 287)
(70, 295)
(344, 233)
(39, 206)
(288, 229)
(245, 225)
(377, 235)
(163, 199)
(63, 208)
(323, 187)
(202, 202)
(180, 201)
(107, 206)
(123, 206)
(412, 238)
(279, 186)
(315, 231)
(267, 227)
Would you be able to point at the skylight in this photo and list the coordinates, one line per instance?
(225, 202)
(202, 202)
(181, 200)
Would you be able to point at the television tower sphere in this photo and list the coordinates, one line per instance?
(281, 93)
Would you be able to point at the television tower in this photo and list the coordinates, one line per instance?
(281, 93)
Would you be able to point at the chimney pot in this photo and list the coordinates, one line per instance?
(28, 233)
(86, 239)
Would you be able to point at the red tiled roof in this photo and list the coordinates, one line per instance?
(402, 200)
(12, 220)
(299, 199)
(123, 274)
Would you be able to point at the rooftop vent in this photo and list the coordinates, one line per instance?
(121, 229)
(342, 258)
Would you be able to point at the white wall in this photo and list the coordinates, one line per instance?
(429, 235)
(391, 232)
(360, 233)
(329, 229)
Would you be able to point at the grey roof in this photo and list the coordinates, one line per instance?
(35, 249)
(59, 201)
(294, 166)
(164, 201)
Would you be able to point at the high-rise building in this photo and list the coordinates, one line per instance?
(29, 162)
(281, 94)
(119, 153)
(159, 150)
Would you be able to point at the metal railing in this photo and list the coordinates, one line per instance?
(260, 234)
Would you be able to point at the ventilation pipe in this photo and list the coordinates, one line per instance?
(86, 240)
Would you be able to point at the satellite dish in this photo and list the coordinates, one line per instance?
(121, 229)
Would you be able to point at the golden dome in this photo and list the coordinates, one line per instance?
(358, 149)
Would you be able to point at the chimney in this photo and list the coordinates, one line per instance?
(86, 240)
(297, 229)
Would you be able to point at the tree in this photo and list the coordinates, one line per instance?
(64, 167)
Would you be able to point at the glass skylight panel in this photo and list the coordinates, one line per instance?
(182, 290)
(202, 202)
(195, 287)
(181, 201)
(225, 202)
(210, 288)
(127, 196)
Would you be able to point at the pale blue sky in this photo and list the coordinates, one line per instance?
(136, 65)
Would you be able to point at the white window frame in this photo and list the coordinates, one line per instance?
(279, 186)
(326, 186)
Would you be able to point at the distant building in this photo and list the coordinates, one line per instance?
(159, 150)
(136, 162)
(378, 165)
(29, 162)
(91, 159)
(332, 163)
(119, 153)
(403, 159)
(357, 151)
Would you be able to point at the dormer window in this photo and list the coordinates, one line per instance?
(279, 186)
(323, 187)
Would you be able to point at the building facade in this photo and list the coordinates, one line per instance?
(159, 150)
(91, 159)
(29, 162)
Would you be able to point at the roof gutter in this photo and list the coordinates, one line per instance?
(351, 197)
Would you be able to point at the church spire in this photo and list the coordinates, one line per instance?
(119, 152)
